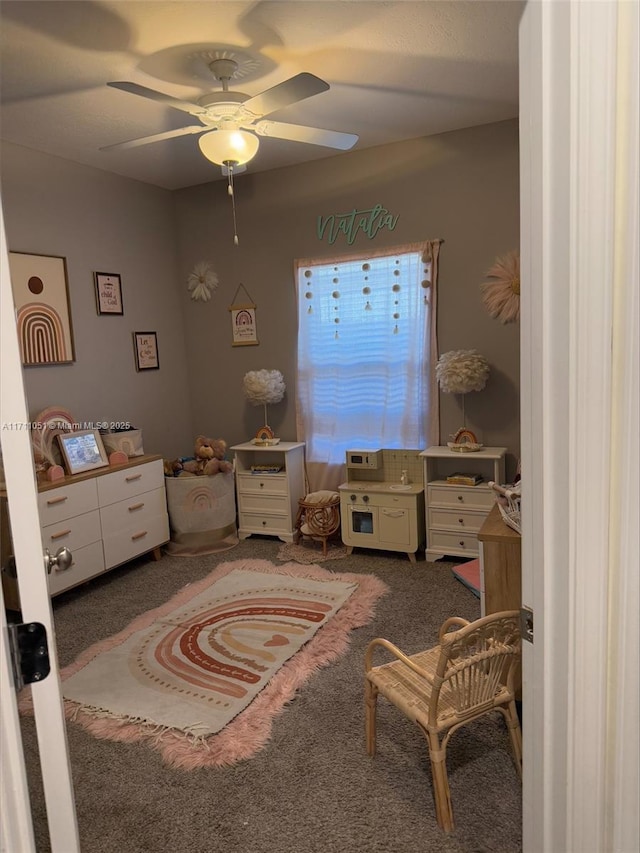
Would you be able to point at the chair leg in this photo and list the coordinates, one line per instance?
(441, 793)
(515, 733)
(370, 703)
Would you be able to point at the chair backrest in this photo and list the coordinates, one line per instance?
(477, 662)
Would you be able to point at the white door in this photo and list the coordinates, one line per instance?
(579, 414)
(17, 833)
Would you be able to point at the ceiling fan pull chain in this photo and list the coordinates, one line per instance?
(233, 204)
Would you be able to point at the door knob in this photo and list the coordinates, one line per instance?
(61, 561)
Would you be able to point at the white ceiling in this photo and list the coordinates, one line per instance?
(397, 70)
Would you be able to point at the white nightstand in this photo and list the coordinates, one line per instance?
(454, 513)
(268, 500)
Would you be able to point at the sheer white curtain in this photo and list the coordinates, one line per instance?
(367, 351)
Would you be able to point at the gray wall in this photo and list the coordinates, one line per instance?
(460, 186)
(101, 222)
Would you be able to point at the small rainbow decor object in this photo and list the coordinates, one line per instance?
(464, 441)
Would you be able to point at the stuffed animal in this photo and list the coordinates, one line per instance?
(208, 457)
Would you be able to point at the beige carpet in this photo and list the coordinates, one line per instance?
(308, 552)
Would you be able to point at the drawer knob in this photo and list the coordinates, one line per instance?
(132, 477)
(264, 523)
(134, 507)
(138, 535)
(261, 485)
(461, 521)
(462, 543)
(460, 498)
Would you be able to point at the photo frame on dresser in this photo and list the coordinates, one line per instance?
(82, 450)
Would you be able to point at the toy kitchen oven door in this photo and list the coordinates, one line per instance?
(378, 513)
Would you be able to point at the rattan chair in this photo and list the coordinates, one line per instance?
(470, 672)
(319, 516)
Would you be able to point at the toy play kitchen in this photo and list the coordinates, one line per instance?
(382, 502)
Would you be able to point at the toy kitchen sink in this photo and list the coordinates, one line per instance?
(382, 502)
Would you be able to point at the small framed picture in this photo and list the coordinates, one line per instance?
(108, 293)
(82, 450)
(243, 325)
(146, 350)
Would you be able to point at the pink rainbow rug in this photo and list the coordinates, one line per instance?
(202, 677)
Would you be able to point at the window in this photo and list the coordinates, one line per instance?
(366, 355)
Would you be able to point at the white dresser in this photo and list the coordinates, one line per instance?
(268, 500)
(454, 513)
(104, 517)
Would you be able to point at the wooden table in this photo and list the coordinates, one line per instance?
(500, 565)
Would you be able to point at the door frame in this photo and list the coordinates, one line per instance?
(35, 605)
(580, 383)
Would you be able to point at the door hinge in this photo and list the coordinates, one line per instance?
(29, 652)
(526, 624)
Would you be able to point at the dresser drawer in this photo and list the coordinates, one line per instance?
(120, 485)
(260, 523)
(263, 503)
(133, 512)
(126, 544)
(57, 504)
(263, 483)
(472, 497)
(452, 543)
(72, 533)
(87, 563)
(461, 519)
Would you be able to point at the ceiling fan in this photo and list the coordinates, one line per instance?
(226, 116)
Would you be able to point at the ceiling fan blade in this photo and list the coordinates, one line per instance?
(299, 133)
(289, 92)
(135, 89)
(156, 137)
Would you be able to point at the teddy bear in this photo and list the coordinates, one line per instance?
(208, 457)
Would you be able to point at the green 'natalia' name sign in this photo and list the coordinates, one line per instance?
(368, 221)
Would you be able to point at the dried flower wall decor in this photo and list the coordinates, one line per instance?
(202, 281)
(501, 295)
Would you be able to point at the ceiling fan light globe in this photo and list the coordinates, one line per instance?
(229, 146)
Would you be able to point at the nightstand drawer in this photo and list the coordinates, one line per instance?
(131, 481)
(263, 503)
(72, 533)
(259, 523)
(262, 483)
(461, 519)
(67, 501)
(471, 497)
(452, 543)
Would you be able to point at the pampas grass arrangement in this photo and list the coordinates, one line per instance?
(501, 296)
